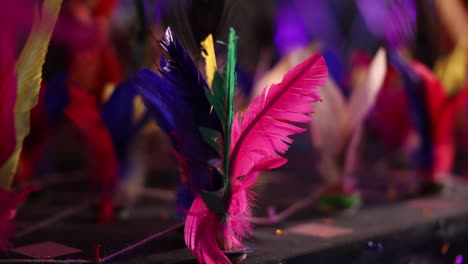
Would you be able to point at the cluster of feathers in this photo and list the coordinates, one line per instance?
(222, 153)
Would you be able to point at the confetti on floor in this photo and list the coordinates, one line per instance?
(45, 250)
(320, 230)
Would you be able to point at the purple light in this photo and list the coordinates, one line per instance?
(459, 259)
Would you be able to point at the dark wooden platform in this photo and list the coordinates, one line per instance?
(408, 230)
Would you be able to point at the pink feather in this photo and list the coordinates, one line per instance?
(259, 136)
(205, 233)
(9, 202)
(201, 227)
(262, 133)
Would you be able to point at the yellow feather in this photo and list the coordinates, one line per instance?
(452, 69)
(138, 109)
(29, 71)
(107, 92)
(210, 59)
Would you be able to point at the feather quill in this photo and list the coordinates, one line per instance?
(29, 71)
(210, 59)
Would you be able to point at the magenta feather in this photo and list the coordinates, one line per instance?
(205, 233)
(259, 137)
(262, 133)
(201, 227)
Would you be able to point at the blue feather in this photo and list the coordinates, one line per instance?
(176, 116)
(117, 114)
(56, 97)
(337, 69)
(176, 99)
(415, 93)
(182, 72)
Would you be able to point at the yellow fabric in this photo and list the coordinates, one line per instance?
(210, 59)
(29, 71)
(452, 70)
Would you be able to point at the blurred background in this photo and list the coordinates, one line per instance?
(86, 113)
(90, 130)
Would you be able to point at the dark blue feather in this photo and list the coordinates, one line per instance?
(336, 69)
(177, 100)
(175, 114)
(415, 92)
(182, 72)
(117, 114)
(56, 97)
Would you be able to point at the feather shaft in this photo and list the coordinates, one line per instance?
(230, 85)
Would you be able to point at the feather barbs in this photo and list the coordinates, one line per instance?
(261, 133)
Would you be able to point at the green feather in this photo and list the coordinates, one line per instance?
(216, 98)
(222, 99)
(230, 85)
(211, 137)
(214, 201)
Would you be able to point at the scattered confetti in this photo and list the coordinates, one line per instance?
(45, 250)
(279, 232)
(458, 259)
(444, 248)
(374, 246)
(319, 230)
